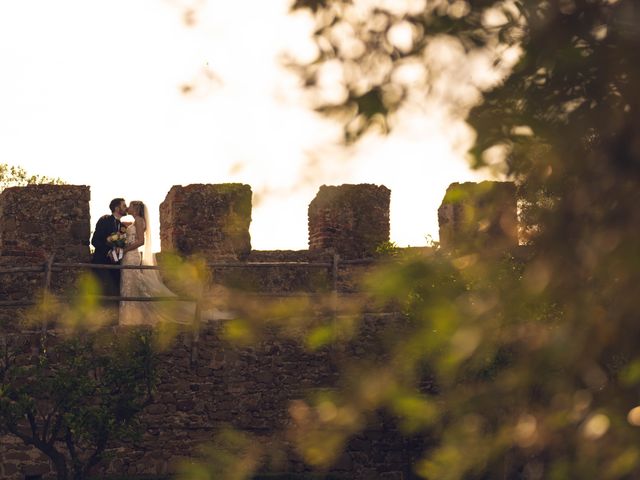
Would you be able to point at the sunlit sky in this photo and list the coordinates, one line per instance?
(92, 92)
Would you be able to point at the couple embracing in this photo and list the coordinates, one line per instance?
(117, 239)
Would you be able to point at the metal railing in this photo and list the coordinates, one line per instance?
(49, 266)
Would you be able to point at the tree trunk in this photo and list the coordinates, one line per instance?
(61, 470)
(59, 462)
(58, 459)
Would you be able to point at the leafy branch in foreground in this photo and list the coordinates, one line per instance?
(544, 381)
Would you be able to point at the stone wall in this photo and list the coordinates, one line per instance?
(40, 220)
(37, 221)
(249, 388)
(210, 220)
(351, 220)
(294, 277)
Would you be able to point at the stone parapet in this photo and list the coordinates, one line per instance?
(251, 387)
(208, 220)
(40, 220)
(351, 220)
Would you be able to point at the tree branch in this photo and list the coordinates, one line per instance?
(97, 454)
(45, 427)
(13, 430)
(48, 449)
(32, 423)
(68, 439)
(55, 429)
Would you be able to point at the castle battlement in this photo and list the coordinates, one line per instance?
(213, 220)
(210, 383)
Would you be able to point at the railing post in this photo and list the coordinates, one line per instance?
(48, 267)
(195, 340)
(336, 260)
(4, 349)
(334, 294)
(197, 321)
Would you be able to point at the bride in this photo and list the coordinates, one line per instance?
(147, 282)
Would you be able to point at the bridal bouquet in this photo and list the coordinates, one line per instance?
(118, 240)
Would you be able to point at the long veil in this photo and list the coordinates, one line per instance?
(148, 258)
(149, 283)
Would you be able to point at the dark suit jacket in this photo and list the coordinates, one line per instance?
(105, 227)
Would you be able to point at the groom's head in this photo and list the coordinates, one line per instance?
(118, 207)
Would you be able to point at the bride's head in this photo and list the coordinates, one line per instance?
(136, 208)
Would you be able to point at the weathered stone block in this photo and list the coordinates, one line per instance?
(20, 285)
(210, 220)
(156, 409)
(351, 220)
(40, 220)
(479, 216)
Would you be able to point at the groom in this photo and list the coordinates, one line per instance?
(108, 224)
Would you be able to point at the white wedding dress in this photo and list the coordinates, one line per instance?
(148, 283)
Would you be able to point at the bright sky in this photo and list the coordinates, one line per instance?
(91, 92)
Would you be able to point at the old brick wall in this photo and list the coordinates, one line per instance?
(296, 275)
(249, 388)
(37, 221)
(352, 220)
(40, 220)
(210, 220)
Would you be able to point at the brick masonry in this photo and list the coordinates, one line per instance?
(247, 387)
(351, 220)
(37, 221)
(210, 220)
(40, 220)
